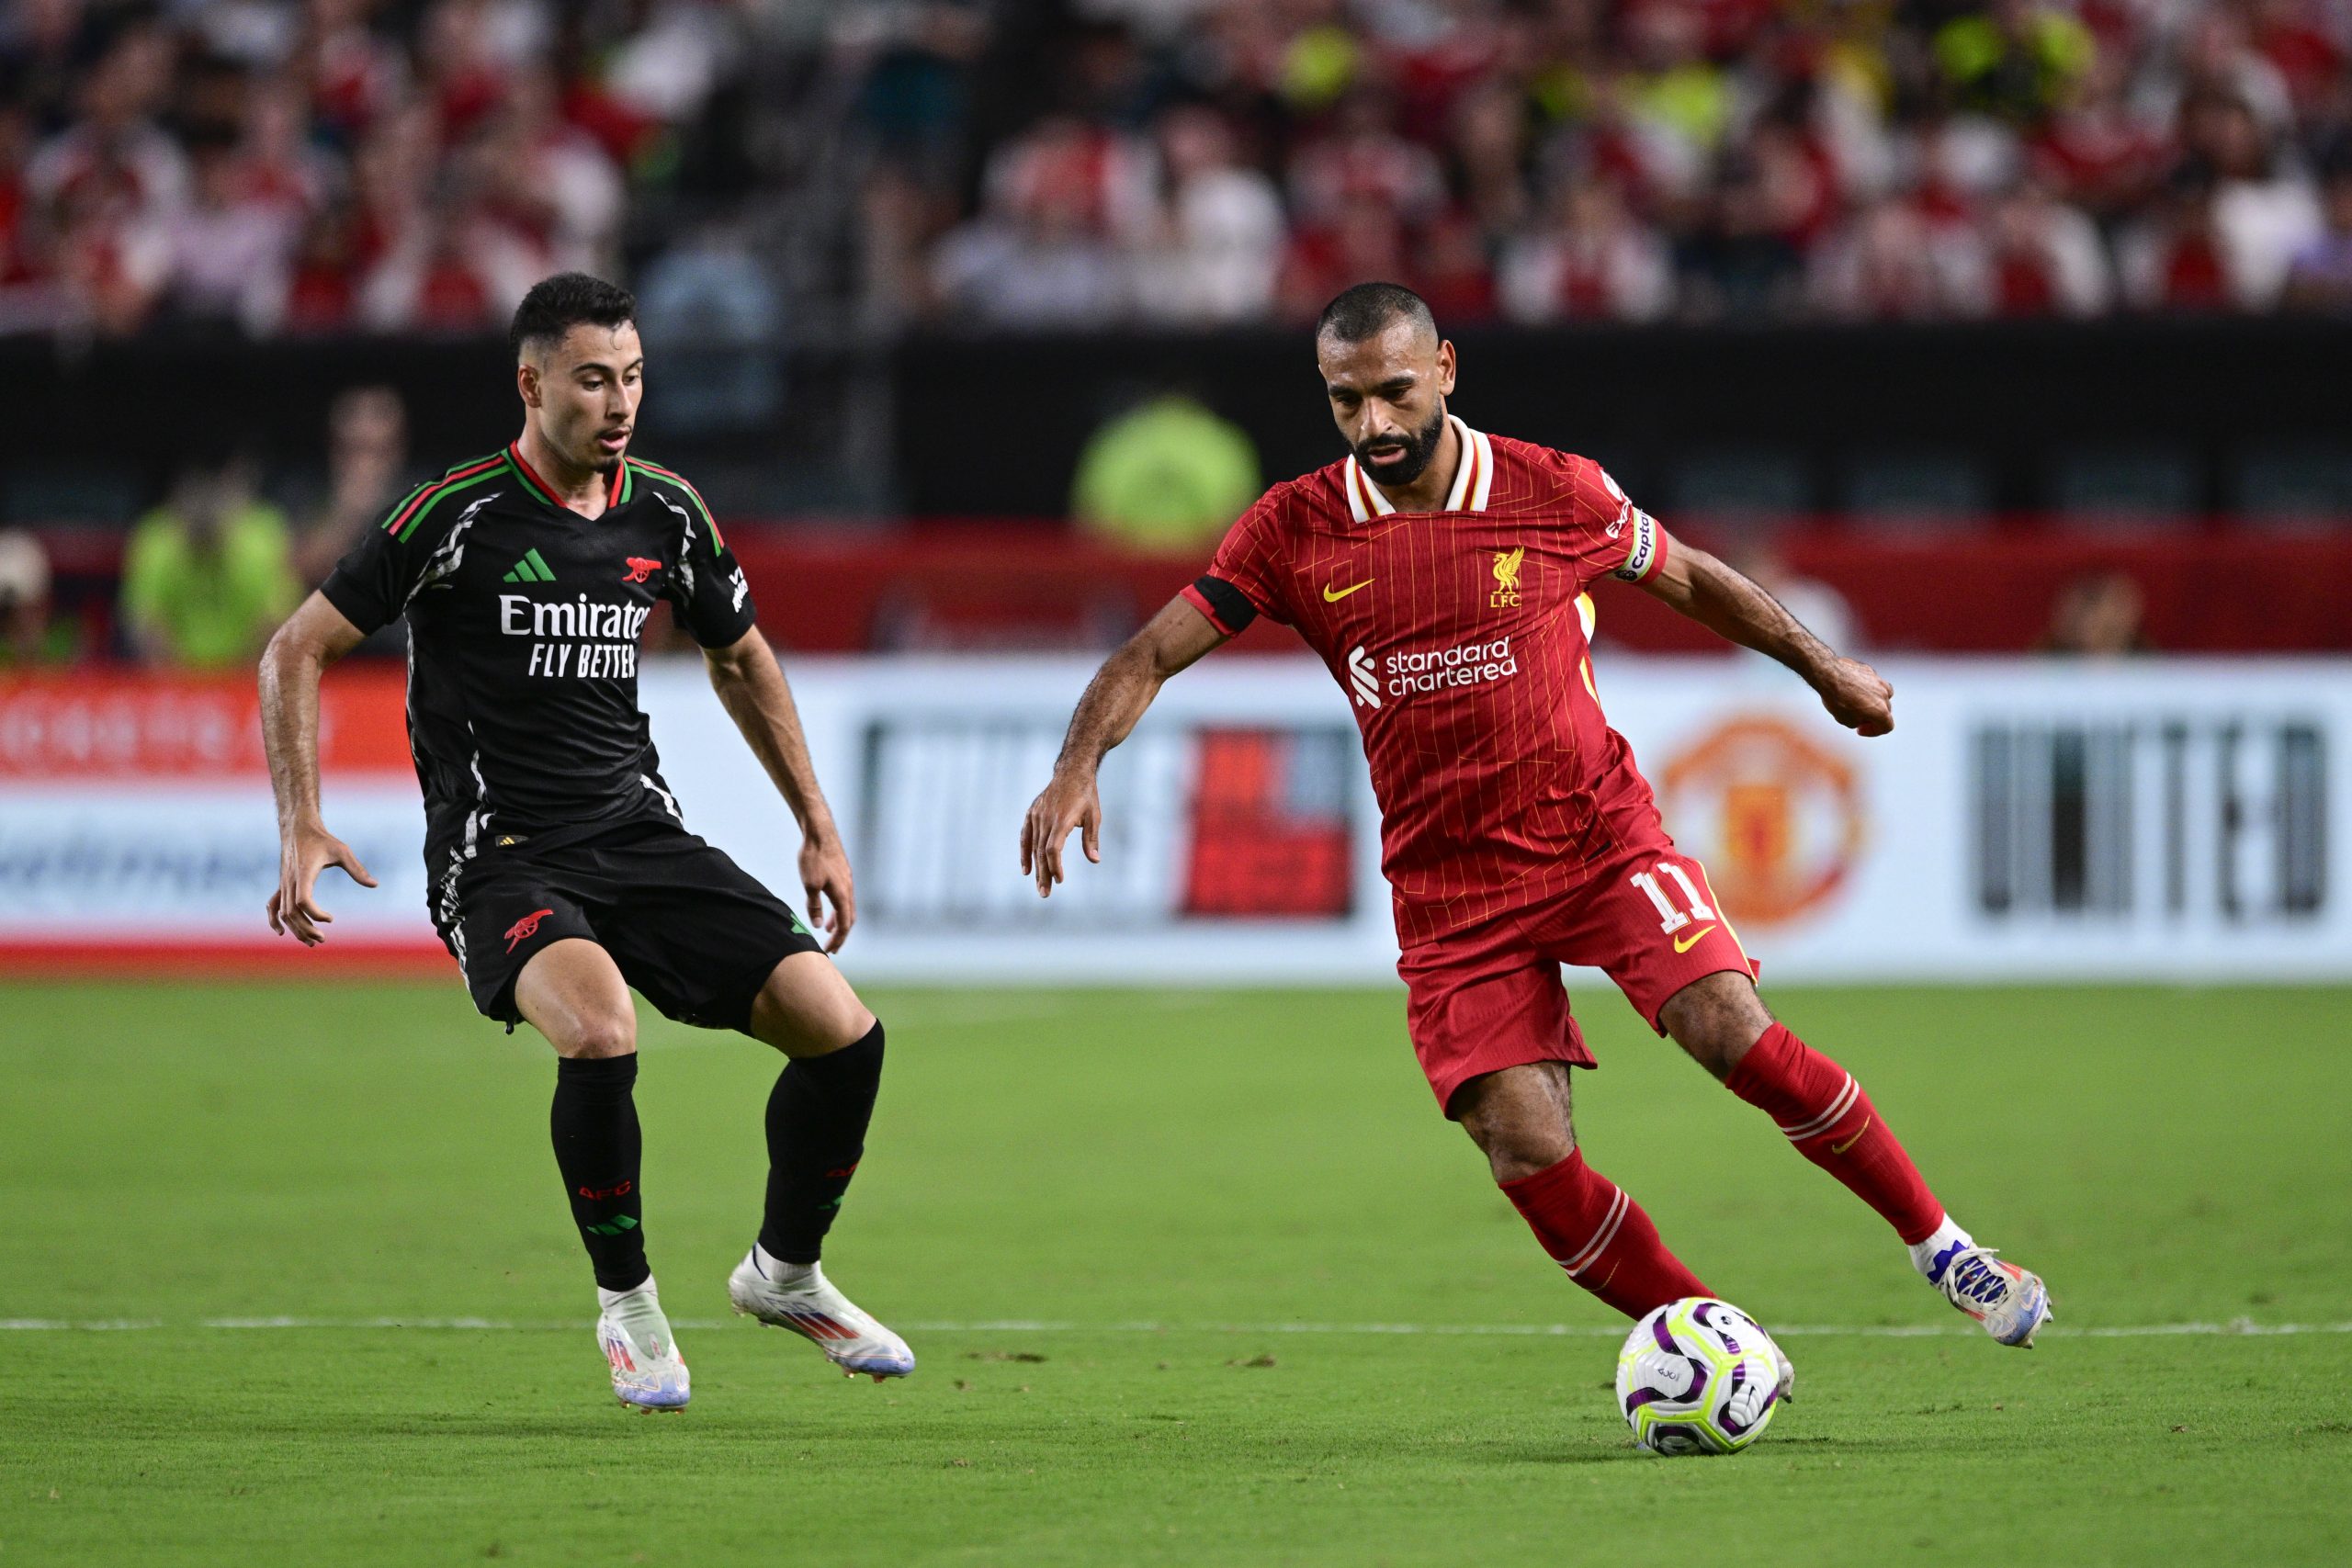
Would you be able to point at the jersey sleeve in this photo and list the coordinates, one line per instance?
(1613, 537)
(1244, 578)
(708, 589)
(377, 577)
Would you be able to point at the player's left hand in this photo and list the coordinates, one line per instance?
(1856, 696)
(824, 871)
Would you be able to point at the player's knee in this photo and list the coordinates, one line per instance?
(1519, 1120)
(807, 1009)
(843, 1028)
(600, 1034)
(1716, 1019)
(1517, 1152)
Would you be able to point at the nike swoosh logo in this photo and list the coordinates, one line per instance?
(1331, 598)
(1841, 1148)
(1685, 944)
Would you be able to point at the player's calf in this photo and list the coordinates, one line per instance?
(816, 1118)
(1598, 1236)
(1830, 1119)
(598, 1149)
(1601, 1237)
(1823, 1111)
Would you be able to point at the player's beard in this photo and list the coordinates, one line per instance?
(1420, 450)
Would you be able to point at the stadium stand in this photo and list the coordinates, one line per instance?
(2104, 247)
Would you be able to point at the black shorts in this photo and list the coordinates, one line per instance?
(693, 933)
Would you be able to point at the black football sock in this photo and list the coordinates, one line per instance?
(597, 1147)
(816, 1118)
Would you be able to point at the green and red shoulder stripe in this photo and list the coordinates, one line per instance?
(425, 497)
(654, 470)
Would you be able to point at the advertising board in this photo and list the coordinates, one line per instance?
(2169, 821)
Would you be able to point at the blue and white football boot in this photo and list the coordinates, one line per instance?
(788, 1295)
(2008, 1300)
(648, 1372)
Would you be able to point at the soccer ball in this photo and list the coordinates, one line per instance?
(1697, 1376)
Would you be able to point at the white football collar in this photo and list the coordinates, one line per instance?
(1474, 480)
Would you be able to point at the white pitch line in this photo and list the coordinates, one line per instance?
(2236, 1327)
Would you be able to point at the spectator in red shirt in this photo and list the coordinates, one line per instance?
(2175, 258)
(2045, 257)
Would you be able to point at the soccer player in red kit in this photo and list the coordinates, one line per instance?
(1441, 575)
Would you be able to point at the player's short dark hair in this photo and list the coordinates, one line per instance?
(556, 305)
(1370, 308)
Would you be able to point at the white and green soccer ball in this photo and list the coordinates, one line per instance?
(1697, 1376)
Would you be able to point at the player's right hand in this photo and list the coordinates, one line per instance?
(1068, 802)
(1857, 696)
(303, 853)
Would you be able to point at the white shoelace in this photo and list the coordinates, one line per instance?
(1972, 1279)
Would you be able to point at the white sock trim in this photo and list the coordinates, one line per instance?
(1601, 1237)
(646, 1295)
(786, 1276)
(1925, 1253)
(1839, 1103)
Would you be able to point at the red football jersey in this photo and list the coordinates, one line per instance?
(1460, 637)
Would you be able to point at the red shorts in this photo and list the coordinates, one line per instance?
(1490, 998)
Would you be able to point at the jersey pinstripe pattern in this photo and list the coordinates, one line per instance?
(1459, 638)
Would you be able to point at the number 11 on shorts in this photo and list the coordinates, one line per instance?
(1672, 919)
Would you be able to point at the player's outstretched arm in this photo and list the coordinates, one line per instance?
(1732, 607)
(753, 688)
(1114, 701)
(314, 636)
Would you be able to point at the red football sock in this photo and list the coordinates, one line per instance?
(1833, 1124)
(1601, 1237)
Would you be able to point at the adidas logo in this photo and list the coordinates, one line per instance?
(530, 569)
(1361, 679)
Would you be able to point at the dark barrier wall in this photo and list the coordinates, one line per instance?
(2000, 417)
(95, 430)
(2192, 416)
(152, 402)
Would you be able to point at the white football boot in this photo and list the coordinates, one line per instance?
(805, 1302)
(648, 1372)
(2008, 1300)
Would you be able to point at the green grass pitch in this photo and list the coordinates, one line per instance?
(1196, 1208)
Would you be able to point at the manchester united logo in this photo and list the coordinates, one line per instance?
(1777, 817)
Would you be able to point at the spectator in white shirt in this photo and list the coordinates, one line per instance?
(1218, 249)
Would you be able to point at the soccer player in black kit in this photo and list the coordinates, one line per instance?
(561, 869)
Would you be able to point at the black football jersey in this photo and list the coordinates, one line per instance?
(524, 620)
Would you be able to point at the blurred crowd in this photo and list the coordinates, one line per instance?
(208, 571)
(328, 165)
(1204, 162)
